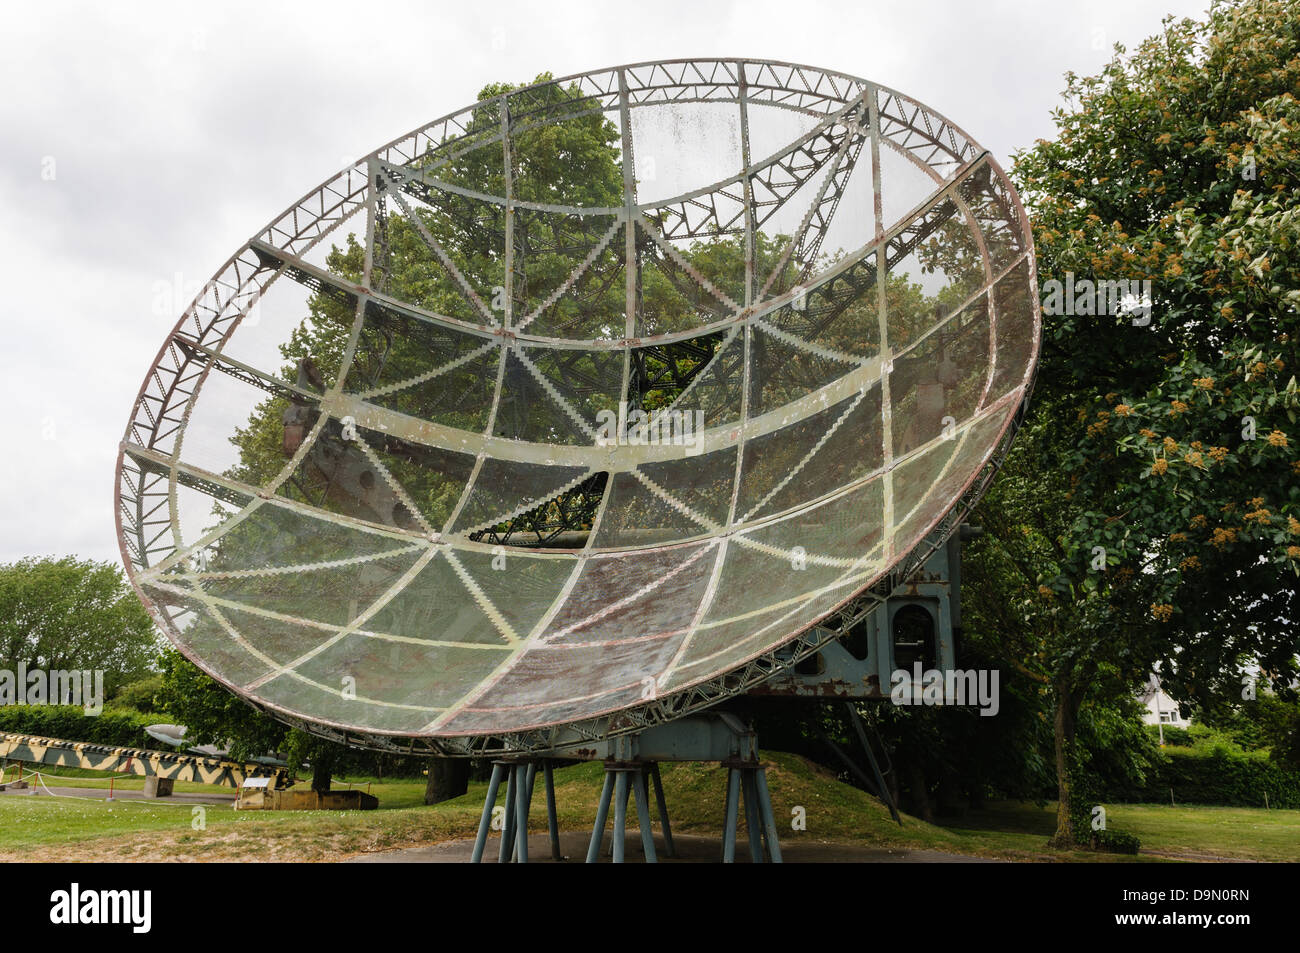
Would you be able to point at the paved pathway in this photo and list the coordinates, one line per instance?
(101, 794)
(691, 848)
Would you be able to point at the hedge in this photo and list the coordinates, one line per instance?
(1220, 777)
(71, 723)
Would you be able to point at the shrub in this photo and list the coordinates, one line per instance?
(1173, 735)
(139, 695)
(71, 723)
(1115, 842)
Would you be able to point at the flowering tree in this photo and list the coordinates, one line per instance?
(1150, 513)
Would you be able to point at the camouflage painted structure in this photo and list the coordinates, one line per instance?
(142, 762)
(583, 408)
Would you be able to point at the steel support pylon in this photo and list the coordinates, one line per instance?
(631, 771)
(624, 779)
(747, 788)
(519, 778)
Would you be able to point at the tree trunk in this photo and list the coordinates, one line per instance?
(1063, 732)
(949, 796)
(322, 767)
(448, 778)
(920, 794)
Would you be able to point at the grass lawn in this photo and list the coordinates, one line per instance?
(1188, 832)
(49, 828)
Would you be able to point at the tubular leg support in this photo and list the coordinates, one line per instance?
(518, 777)
(620, 816)
(523, 795)
(552, 824)
(751, 816)
(627, 787)
(642, 793)
(508, 828)
(489, 802)
(769, 821)
(748, 779)
(885, 795)
(602, 814)
(669, 849)
(729, 825)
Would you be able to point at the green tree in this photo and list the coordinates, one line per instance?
(214, 716)
(70, 613)
(140, 695)
(1148, 513)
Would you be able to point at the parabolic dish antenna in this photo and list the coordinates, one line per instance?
(580, 409)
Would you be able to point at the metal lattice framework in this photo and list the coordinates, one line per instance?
(610, 397)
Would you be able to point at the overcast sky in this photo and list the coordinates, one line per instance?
(174, 132)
